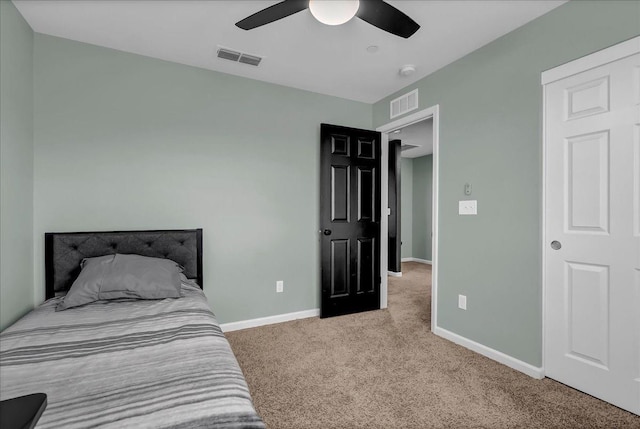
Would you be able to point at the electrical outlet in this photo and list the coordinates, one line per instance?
(280, 286)
(462, 302)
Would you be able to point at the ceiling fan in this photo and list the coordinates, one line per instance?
(335, 12)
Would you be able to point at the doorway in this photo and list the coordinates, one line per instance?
(432, 114)
(416, 211)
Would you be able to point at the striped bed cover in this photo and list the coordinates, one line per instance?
(142, 364)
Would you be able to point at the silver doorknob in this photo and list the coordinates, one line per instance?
(556, 245)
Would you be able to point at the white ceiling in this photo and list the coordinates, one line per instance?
(299, 51)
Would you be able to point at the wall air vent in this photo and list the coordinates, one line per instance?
(403, 104)
(231, 55)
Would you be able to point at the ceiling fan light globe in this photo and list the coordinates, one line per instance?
(333, 12)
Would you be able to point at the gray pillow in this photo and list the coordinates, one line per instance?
(123, 276)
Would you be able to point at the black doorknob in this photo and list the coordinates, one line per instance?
(327, 232)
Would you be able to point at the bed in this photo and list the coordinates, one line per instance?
(160, 363)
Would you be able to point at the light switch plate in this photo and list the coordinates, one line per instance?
(469, 207)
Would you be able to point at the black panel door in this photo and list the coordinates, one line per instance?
(349, 220)
(395, 235)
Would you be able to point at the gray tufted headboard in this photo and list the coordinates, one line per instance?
(65, 250)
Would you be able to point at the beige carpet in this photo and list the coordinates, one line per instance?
(385, 369)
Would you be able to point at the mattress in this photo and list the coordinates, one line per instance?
(128, 363)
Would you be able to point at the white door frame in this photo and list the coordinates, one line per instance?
(431, 112)
(596, 59)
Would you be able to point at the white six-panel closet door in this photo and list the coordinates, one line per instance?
(592, 231)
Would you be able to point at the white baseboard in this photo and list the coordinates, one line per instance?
(504, 359)
(269, 320)
(411, 259)
(394, 274)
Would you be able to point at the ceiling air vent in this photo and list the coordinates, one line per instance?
(228, 54)
(403, 104)
(250, 59)
(407, 147)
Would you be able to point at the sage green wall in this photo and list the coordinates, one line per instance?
(416, 189)
(128, 142)
(490, 135)
(16, 165)
(406, 207)
(422, 206)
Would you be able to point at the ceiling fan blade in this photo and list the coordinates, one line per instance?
(273, 13)
(387, 18)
